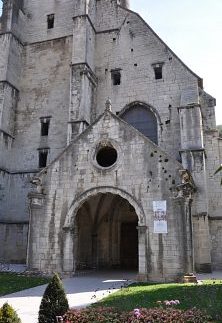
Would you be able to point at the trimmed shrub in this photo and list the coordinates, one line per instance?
(54, 302)
(152, 315)
(8, 314)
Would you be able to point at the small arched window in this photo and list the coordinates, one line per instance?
(143, 119)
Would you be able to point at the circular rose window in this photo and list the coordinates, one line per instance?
(106, 156)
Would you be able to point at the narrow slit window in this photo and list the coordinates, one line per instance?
(45, 127)
(43, 155)
(50, 21)
(158, 71)
(116, 77)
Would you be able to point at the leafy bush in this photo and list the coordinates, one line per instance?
(169, 315)
(89, 315)
(107, 315)
(8, 314)
(54, 302)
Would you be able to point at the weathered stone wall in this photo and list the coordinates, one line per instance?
(14, 62)
(8, 104)
(13, 196)
(45, 94)
(133, 47)
(212, 144)
(14, 216)
(10, 61)
(150, 178)
(45, 81)
(13, 18)
(10, 68)
(36, 25)
(4, 48)
(65, 73)
(214, 160)
(216, 239)
(14, 236)
(4, 187)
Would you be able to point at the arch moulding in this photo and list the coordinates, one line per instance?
(142, 104)
(79, 200)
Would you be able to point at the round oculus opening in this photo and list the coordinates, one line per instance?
(106, 156)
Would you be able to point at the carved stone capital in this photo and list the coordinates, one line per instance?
(36, 199)
(186, 188)
(38, 182)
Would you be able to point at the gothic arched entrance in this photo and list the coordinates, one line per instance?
(114, 199)
(105, 233)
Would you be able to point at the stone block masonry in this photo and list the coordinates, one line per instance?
(59, 63)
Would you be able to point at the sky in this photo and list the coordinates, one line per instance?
(193, 30)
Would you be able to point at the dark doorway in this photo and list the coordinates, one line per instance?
(105, 233)
(129, 245)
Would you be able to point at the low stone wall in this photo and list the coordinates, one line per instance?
(13, 242)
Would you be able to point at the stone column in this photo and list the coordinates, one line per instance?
(34, 252)
(202, 243)
(142, 239)
(189, 233)
(68, 256)
(186, 252)
(194, 159)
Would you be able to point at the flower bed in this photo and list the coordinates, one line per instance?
(160, 314)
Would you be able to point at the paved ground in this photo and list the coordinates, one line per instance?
(12, 268)
(81, 291)
(215, 275)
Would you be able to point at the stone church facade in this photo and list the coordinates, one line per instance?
(99, 122)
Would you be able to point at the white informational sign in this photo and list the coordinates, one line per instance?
(160, 216)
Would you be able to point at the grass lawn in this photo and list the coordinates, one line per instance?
(10, 283)
(206, 297)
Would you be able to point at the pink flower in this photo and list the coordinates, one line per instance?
(137, 313)
(173, 303)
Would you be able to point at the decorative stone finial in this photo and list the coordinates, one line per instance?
(108, 105)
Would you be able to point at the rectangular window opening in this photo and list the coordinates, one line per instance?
(116, 77)
(158, 71)
(43, 155)
(45, 127)
(50, 21)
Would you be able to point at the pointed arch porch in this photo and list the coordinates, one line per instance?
(69, 254)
